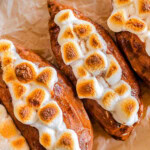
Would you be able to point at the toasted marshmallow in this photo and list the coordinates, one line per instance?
(64, 17)
(37, 97)
(120, 3)
(126, 111)
(8, 129)
(6, 45)
(3, 113)
(135, 25)
(19, 143)
(109, 99)
(24, 113)
(96, 42)
(143, 7)
(83, 29)
(18, 90)
(66, 34)
(8, 58)
(95, 62)
(71, 52)
(117, 20)
(89, 88)
(47, 77)
(67, 140)
(79, 70)
(147, 46)
(9, 74)
(123, 89)
(114, 72)
(51, 115)
(25, 71)
(47, 138)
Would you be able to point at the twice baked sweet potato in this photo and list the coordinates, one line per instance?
(134, 49)
(74, 114)
(104, 118)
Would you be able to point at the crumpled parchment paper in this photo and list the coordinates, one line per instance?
(26, 22)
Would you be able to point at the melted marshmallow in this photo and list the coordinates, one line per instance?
(10, 137)
(132, 16)
(98, 74)
(30, 88)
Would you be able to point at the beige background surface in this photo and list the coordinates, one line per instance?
(26, 22)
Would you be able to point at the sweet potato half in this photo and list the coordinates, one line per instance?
(104, 118)
(74, 114)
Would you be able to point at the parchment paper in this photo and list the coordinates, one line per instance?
(26, 22)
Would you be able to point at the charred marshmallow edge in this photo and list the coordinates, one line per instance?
(109, 99)
(114, 72)
(89, 88)
(32, 106)
(9, 135)
(116, 21)
(126, 111)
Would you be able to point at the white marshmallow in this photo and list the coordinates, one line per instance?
(114, 72)
(71, 52)
(89, 88)
(64, 17)
(126, 111)
(123, 89)
(109, 99)
(79, 70)
(117, 20)
(47, 138)
(102, 82)
(95, 62)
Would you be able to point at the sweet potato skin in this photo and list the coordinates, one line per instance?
(74, 114)
(103, 117)
(134, 50)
